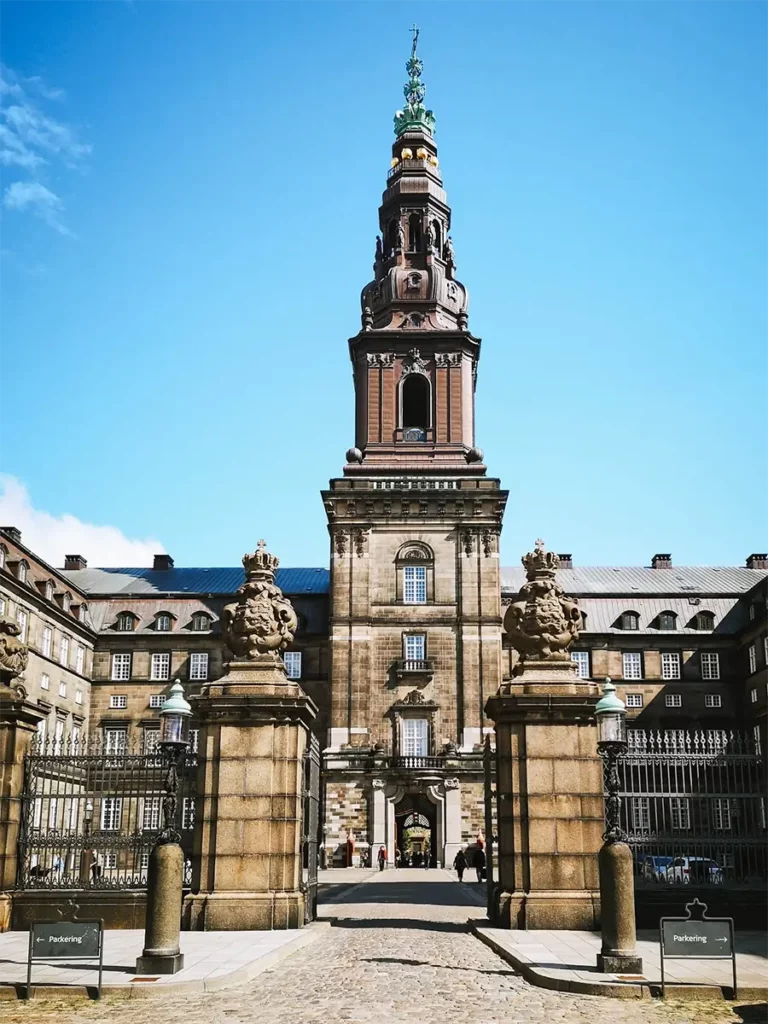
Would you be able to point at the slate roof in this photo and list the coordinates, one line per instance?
(146, 582)
(688, 580)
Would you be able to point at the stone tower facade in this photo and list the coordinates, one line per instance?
(414, 526)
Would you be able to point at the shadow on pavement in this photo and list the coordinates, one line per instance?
(441, 894)
(397, 922)
(427, 963)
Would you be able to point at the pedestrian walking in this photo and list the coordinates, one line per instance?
(480, 863)
(382, 858)
(460, 864)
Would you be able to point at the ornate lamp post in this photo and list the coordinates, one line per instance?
(617, 883)
(166, 862)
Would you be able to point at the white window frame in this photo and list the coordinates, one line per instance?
(414, 646)
(115, 740)
(156, 700)
(151, 813)
(118, 701)
(21, 571)
(292, 661)
(126, 622)
(634, 700)
(713, 700)
(752, 658)
(765, 650)
(121, 667)
(110, 813)
(62, 688)
(53, 811)
(48, 590)
(37, 812)
(188, 812)
(632, 664)
(194, 739)
(163, 617)
(721, 814)
(160, 666)
(753, 695)
(201, 622)
(3, 553)
(198, 665)
(641, 814)
(710, 665)
(58, 736)
(2, 606)
(151, 741)
(670, 665)
(64, 651)
(581, 660)
(414, 584)
(110, 860)
(22, 621)
(673, 700)
(680, 813)
(415, 737)
(45, 681)
(78, 696)
(46, 644)
(79, 659)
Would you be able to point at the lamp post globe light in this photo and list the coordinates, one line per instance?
(618, 953)
(166, 862)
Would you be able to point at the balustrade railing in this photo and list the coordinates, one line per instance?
(416, 761)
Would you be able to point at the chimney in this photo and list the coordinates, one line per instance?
(661, 562)
(757, 561)
(12, 532)
(75, 562)
(566, 561)
(162, 563)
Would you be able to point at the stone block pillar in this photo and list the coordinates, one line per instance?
(254, 728)
(452, 821)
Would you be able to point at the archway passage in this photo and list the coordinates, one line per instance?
(416, 825)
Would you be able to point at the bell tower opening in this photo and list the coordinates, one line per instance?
(414, 232)
(415, 398)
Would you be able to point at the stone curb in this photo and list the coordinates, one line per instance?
(612, 989)
(134, 990)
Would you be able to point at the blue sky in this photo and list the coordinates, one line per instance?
(191, 216)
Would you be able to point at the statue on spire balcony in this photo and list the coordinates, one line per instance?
(544, 623)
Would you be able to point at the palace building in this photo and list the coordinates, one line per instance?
(400, 640)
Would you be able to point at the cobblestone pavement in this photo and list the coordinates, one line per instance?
(399, 953)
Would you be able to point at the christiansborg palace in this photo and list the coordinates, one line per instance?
(401, 638)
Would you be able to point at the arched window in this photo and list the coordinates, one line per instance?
(163, 622)
(201, 622)
(704, 620)
(21, 571)
(415, 403)
(3, 553)
(48, 590)
(629, 620)
(414, 232)
(667, 620)
(126, 622)
(66, 601)
(415, 569)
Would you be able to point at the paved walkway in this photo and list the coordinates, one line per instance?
(399, 951)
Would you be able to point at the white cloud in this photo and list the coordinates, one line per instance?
(52, 537)
(31, 195)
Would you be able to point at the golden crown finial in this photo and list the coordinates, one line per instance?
(260, 564)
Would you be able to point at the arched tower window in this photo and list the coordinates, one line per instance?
(414, 232)
(415, 399)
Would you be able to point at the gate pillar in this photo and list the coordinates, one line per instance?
(254, 732)
(549, 778)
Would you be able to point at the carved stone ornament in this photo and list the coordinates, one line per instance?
(379, 783)
(341, 542)
(414, 697)
(413, 363)
(383, 359)
(361, 540)
(544, 624)
(468, 542)
(443, 359)
(451, 783)
(261, 621)
(14, 653)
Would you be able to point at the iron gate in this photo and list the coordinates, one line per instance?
(311, 827)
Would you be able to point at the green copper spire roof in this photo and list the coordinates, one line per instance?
(415, 116)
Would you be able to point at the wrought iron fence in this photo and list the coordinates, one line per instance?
(693, 808)
(310, 834)
(92, 813)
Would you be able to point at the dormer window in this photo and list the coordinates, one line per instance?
(629, 620)
(667, 620)
(163, 622)
(126, 622)
(66, 601)
(704, 620)
(22, 569)
(201, 622)
(3, 554)
(48, 590)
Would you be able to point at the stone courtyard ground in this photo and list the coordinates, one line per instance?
(400, 951)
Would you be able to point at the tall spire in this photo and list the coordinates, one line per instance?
(415, 116)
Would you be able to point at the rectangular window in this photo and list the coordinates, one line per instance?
(198, 666)
(47, 643)
(161, 667)
(713, 700)
(765, 650)
(681, 813)
(721, 814)
(156, 700)
(414, 646)
(115, 741)
(415, 584)
(118, 701)
(45, 681)
(292, 662)
(710, 665)
(78, 696)
(633, 665)
(53, 812)
(670, 666)
(110, 860)
(111, 813)
(80, 660)
(581, 659)
(150, 820)
(151, 741)
(62, 688)
(2, 606)
(37, 812)
(634, 700)
(64, 651)
(75, 738)
(673, 700)
(71, 816)
(641, 814)
(194, 738)
(22, 621)
(41, 727)
(188, 812)
(753, 696)
(58, 736)
(144, 862)
(415, 733)
(121, 666)
(752, 658)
